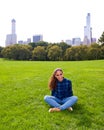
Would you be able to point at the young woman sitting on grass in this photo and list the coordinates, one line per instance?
(61, 92)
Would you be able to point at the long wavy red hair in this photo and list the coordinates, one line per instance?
(53, 79)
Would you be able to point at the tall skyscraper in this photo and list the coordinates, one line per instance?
(88, 30)
(12, 38)
(13, 26)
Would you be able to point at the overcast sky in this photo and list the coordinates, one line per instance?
(56, 20)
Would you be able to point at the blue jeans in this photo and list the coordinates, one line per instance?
(61, 104)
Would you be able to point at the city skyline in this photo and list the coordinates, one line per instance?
(88, 39)
(55, 20)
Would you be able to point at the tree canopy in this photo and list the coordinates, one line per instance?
(101, 39)
(54, 51)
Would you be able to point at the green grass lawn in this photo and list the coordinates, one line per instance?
(23, 85)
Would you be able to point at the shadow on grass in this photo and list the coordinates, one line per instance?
(82, 115)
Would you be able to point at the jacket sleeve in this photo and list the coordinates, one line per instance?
(70, 88)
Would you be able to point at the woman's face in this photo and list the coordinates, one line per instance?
(59, 75)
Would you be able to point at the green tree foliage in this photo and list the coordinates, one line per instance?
(17, 52)
(95, 45)
(69, 54)
(1, 48)
(94, 53)
(25, 52)
(39, 53)
(102, 52)
(40, 43)
(63, 46)
(76, 53)
(101, 39)
(55, 53)
(82, 52)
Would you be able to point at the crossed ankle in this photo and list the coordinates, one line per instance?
(55, 109)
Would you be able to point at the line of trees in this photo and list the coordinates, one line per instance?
(44, 51)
